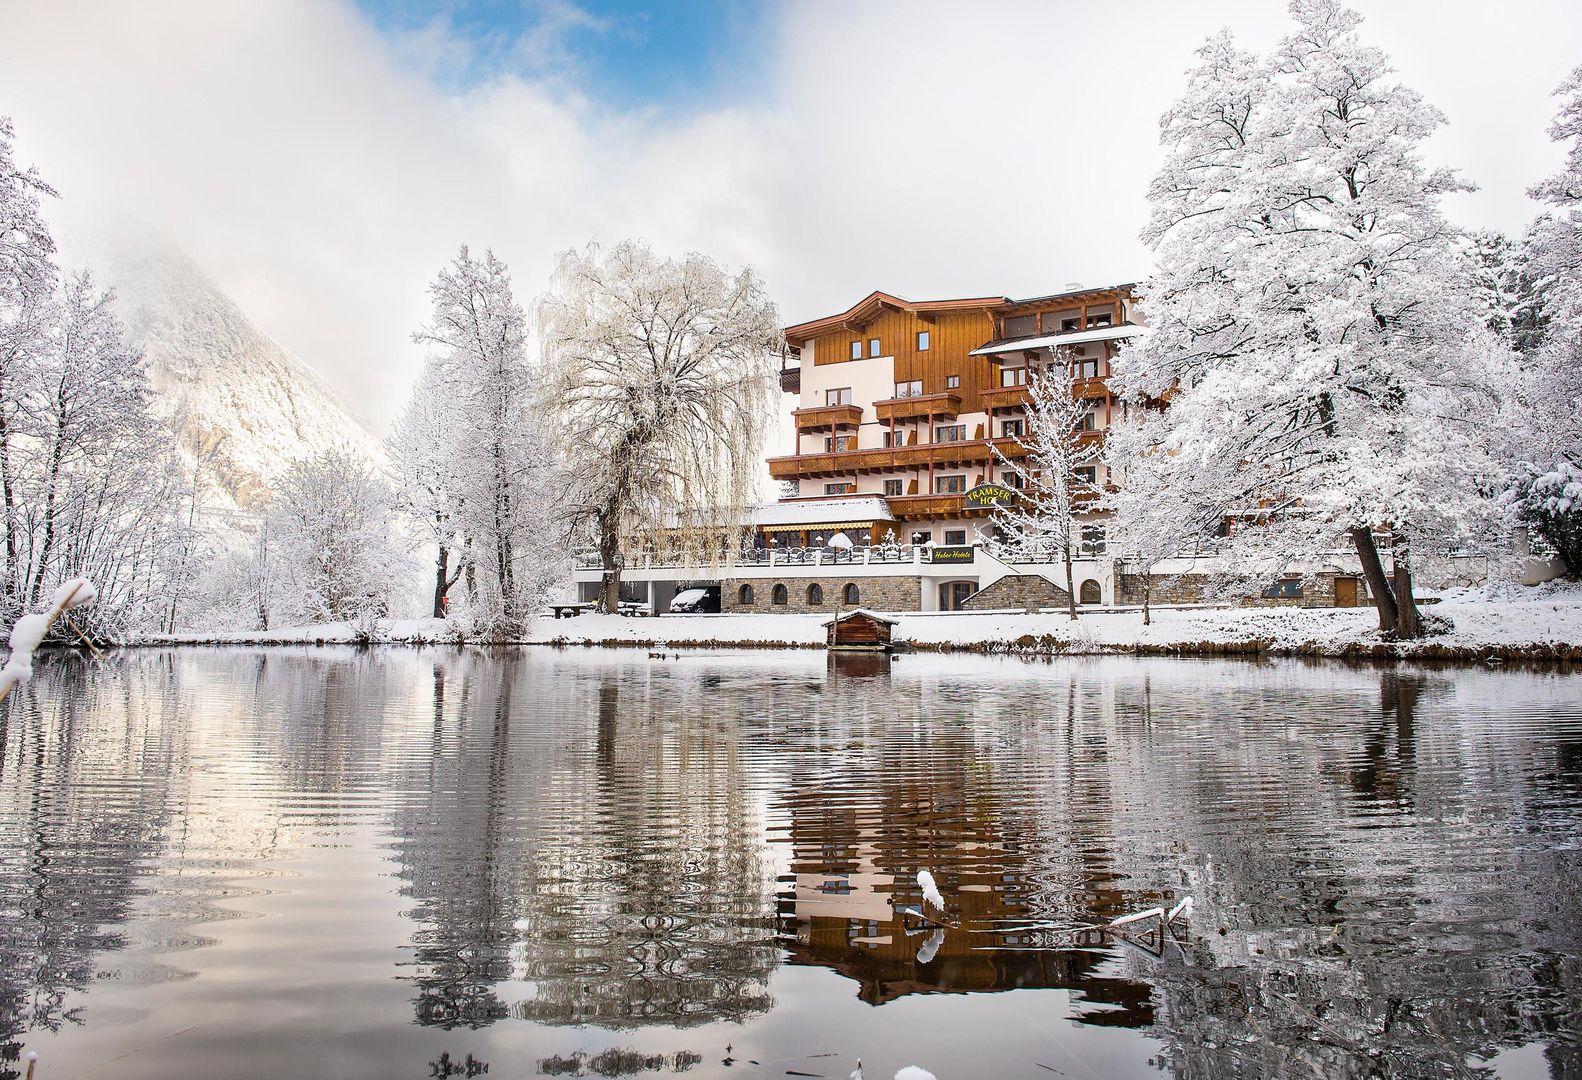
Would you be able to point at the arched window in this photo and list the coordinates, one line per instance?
(815, 595)
(744, 596)
(779, 597)
(851, 596)
(1089, 593)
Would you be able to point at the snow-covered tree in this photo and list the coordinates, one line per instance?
(331, 553)
(661, 375)
(1059, 439)
(490, 474)
(1314, 317)
(1544, 495)
(1155, 512)
(430, 470)
(27, 313)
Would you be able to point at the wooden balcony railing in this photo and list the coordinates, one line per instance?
(827, 416)
(921, 406)
(847, 462)
(1005, 397)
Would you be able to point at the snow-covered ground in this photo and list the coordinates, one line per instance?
(1542, 620)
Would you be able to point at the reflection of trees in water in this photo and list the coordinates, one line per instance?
(588, 844)
(1389, 918)
(85, 777)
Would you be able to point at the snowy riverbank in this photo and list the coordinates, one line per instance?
(1509, 622)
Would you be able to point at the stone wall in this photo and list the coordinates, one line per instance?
(1318, 591)
(877, 593)
(1027, 592)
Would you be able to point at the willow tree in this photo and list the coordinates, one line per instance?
(659, 374)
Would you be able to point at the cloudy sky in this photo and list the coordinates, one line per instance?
(322, 158)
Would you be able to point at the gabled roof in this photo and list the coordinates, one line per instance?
(865, 613)
(870, 307)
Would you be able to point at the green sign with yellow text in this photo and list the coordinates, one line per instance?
(988, 496)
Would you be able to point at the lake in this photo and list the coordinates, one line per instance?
(417, 863)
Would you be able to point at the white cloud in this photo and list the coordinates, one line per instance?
(320, 171)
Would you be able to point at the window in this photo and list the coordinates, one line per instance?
(1021, 326)
(839, 489)
(1103, 318)
(873, 346)
(850, 595)
(780, 598)
(922, 537)
(890, 439)
(950, 432)
(841, 395)
(892, 487)
(744, 596)
(909, 389)
(1013, 429)
(838, 443)
(1087, 474)
(1070, 326)
(1085, 422)
(1089, 593)
(815, 595)
(922, 341)
(1013, 376)
(952, 381)
(949, 485)
(856, 350)
(1084, 369)
(956, 537)
(1288, 589)
(953, 594)
(1013, 479)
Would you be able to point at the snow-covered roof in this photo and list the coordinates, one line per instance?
(865, 613)
(1079, 337)
(862, 510)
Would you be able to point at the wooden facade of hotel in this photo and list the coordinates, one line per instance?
(881, 383)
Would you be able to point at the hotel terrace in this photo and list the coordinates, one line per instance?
(892, 477)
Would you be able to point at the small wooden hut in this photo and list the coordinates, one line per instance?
(859, 630)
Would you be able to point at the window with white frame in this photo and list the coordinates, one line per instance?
(1013, 376)
(856, 350)
(955, 537)
(909, 389)
(873, 346)
(922, 341)
(952, 382)
(840, 395)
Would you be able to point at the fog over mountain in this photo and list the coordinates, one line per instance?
(230, 391)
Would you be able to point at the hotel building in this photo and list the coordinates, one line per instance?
(902, 412)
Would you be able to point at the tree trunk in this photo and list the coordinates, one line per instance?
(1378, 584)
(441, 580)
(1408, 623)
(610, 562)
(1148, 593)
(1071, 596)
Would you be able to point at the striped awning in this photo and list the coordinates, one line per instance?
(819, 526)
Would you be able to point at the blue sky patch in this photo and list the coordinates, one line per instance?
(623, 54)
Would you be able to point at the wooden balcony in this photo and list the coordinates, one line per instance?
(888, 459)
(921, 407)
(1089, 389)
(1005, 397)
(822, 417)
(912, 507)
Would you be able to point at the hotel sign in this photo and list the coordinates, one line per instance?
(953, 553)
(988, 496)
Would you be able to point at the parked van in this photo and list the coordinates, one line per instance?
(697, 601)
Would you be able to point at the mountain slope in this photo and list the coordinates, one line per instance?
(230, 391)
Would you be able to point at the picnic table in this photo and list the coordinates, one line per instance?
(569, 611)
